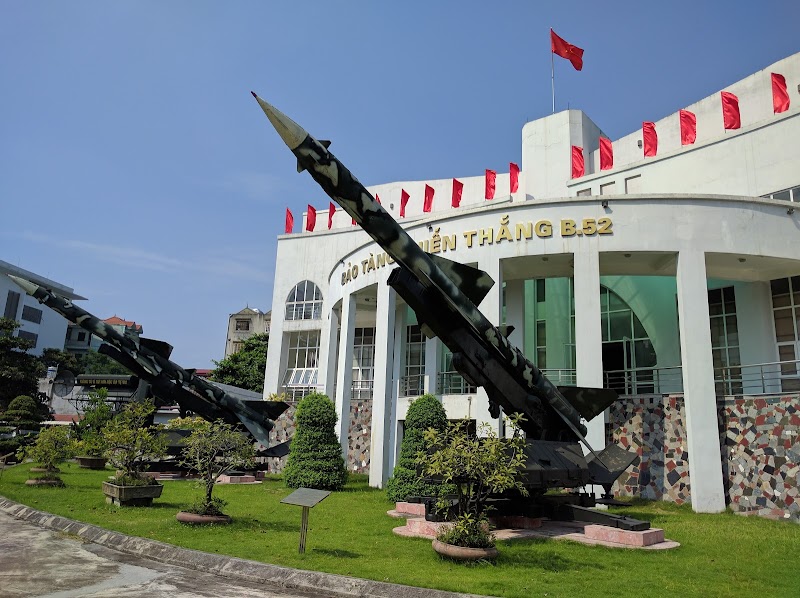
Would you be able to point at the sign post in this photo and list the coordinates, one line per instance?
(306, 498)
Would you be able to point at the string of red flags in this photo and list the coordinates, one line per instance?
(606, 154)
(428, 203)
(650, 139)
(513, 177)
(780, 96)
(578, 165)
(404, 197)
(688, 127)
(731, 119)
(458, 187)
(289, 226)
(311, 218)
(491, 177)
(331, 212)
(560, 47)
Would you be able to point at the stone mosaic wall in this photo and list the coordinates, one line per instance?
(760, 451)
(359, 435)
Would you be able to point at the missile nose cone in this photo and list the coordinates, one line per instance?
(291, 133)
(26, 284)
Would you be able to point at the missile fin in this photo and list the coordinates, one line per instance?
(588, 401)
(474, 283)
(259, 433)
(326, 143)
(271, 409)
(506, 329)
(300, 167)
(278, 450)
(161, 348)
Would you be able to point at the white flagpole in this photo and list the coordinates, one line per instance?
(553, 81)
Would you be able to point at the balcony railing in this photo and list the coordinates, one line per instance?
(452, 383)
(412, 386)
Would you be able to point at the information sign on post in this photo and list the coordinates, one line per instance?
(306, 498)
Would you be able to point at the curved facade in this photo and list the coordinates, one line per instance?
(669, 278)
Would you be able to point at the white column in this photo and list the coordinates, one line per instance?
(492, 308)
(588, 334)
(400, 324)
(329, 338)
(432, 348)
(344, 375)
(382, 390)
(702, 435)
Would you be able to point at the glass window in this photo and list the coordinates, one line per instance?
(784, 195)
(29, 336)
(607, 189)
(31, 314)
(304, 302)
(725, 340)
(584, 192)
(243, 325)
(412, 383)
(301, 367)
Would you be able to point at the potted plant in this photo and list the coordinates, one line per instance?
(53, 445)
(89, 429)
(478, 467)
(131, 442)
(212, 449)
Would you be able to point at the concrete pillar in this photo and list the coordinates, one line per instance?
(344, 375)
(588, 334)
(395, 430)
(432, 349)
(492, 308)
(702, 434)
(383, 388)
(327, 360)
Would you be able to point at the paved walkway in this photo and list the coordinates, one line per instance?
(50, 556)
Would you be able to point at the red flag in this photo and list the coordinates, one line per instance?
(780, 97)
(578, 168)
(354, 222)
(403, 201)
(378, 199)
(606, 154)
(311, 218)
(491, 175)
(458, 187)
(650, 139)
(688, 127)
(331, 212)
(513, 170)
(289, 228)
(730, 111)
(566, 50)
(426, 207)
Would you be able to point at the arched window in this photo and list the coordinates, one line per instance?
(304, 302)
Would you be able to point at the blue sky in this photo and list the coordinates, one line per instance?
(136, 168)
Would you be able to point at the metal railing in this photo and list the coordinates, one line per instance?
(561, 377)
(452, 383)
(412, 385)
(645, 380)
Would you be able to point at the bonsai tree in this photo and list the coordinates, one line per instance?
(89, 430)
(24, 413)
(53, 446)
(315, 456)
(478, 467)
(423, 413)
(212, 449)
(131, 443)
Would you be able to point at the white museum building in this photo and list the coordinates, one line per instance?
(671, 274)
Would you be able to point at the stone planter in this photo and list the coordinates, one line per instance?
(131, 496)
(195, 519)
(91, 462)
(44, 470)
(462, 553)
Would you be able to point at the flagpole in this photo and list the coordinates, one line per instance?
(553, 81)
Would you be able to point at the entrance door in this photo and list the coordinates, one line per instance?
(615, 360)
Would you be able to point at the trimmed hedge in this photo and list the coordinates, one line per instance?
(315, 455)
(423, 413)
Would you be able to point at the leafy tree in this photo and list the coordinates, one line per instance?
(64, 360)
(53, 446)
(24, 412)
(315, 456)
(96, 363)
(212, 449)
(19, 371)
(131, 443)
(96, 414)
(245, 368)
(423, 413)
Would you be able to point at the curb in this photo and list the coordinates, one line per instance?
(225, 566)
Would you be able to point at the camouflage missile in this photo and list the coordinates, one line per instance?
(149, 359)
(444, 295)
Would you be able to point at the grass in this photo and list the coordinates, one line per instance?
(350, 534)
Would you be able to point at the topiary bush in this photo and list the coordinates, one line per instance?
(315, 455)
(423, 413)
(24, 412)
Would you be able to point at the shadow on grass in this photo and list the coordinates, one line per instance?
(342, 554)
(257, 525)
(548, 560)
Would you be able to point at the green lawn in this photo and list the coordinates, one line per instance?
(350, 534)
